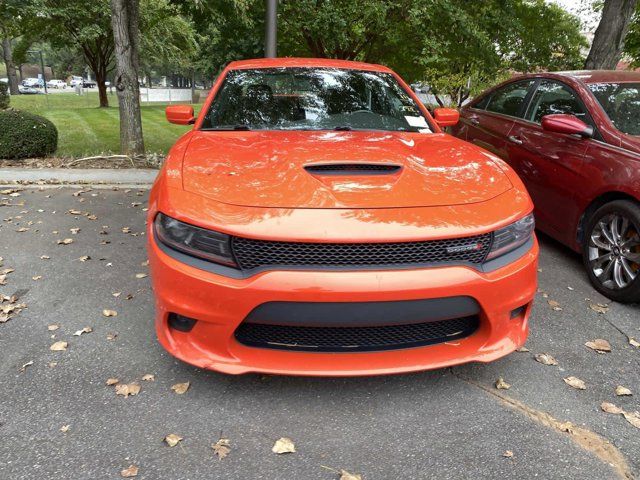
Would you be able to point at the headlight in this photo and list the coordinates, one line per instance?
(194, 241)
(511, 237)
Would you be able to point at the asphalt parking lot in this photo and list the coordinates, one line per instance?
(442, 424)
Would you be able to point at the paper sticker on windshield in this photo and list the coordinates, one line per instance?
(416, 121)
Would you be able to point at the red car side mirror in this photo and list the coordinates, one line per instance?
(180, 114)
(568, 124)
(446, 117)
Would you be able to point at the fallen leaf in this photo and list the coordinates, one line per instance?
(112, 336)
(623, 391)
(632, 418)
(84, 330)
(554, 305)
(172, 439)
(141, 275)
(610, 408)
(180, 388)
(36, 277)
(575, 382)
(84, 258)
(502, 385)
(344, 475)
(126, 389)
(132, 471)
(53, 327)
(633, 342)
(59, 346)
(109, 313)
(546, 359)
(148, 377)
(65, 428)
(112, 381)
(522, 349)
(74, 231)
(66, 241)
(283, 445)
(599, 307)
(116, 294)
(44, 257)
(599, 345)
(508, 454)
(28, 364)
(221, 448)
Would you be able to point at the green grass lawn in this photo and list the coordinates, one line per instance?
(84, 129)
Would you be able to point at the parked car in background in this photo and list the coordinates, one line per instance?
(28, 90)
(33, 82)
(317, 221)
(89, 83)
(4, 80)
(574, 139)
(60, 84)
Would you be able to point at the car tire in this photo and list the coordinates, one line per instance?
(611, 250)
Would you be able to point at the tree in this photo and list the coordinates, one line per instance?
(11, 16)
(632, 40)
(125, 18)
(608, 42)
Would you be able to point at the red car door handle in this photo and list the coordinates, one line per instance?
(515, 140)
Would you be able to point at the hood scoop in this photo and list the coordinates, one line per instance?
(352, 168)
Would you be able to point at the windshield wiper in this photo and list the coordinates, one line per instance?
(228, 127)
(342, 128)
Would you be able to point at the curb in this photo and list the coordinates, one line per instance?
(79, 176)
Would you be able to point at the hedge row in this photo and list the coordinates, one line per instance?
(25, 135)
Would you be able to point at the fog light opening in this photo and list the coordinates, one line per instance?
(518, 312)
(180, 323)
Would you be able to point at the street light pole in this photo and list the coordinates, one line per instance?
(271, 30)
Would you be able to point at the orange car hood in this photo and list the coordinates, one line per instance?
(267, 169)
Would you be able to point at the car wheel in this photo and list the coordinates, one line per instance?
(611, 250)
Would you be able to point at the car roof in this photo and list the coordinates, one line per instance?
(603, 76)
(305, 62)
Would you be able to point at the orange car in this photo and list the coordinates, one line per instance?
(317, 221)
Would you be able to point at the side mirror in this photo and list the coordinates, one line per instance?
(180, 114)
(446, 117)
(568, 124)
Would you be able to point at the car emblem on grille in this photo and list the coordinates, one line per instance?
(468, 247)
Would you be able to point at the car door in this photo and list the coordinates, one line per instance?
(550, 164)
(487, 123)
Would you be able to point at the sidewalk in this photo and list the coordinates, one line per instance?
(89, 176)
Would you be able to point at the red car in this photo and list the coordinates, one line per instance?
(574, 139)
(317, 221)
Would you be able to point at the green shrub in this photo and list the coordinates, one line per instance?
(4, 95)
(25, 135)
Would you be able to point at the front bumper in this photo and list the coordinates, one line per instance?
(220, 304)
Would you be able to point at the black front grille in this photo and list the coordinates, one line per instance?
(349, 339)
(252, 254)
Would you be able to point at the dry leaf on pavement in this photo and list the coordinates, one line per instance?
(522, 349)
(59, 346)
(633, 342)
(599, 345)
(344, 475)
(126, 389)
(508, 454)
(132, 471)
(28, 364)
(53, 326)
(112, 381)
(172, 439)
(554, 305)
(66, 241)
(502, 385)
(611, 408)
(84, 330)
(599, 307)
(221, 448)
(632, 418)
(546, 359)
(109, 313)
(148, 377)
(623, 391)
(141, 275)
(180, 388)
(575, 382)
(65, 428)
(283, 445)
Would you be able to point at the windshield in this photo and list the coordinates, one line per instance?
(621, 102)
(313, 99)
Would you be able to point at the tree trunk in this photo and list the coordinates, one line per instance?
(124, 19)
(11, 69)
(102, 89)
(608, 42)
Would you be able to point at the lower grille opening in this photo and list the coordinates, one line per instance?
(350, 339)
